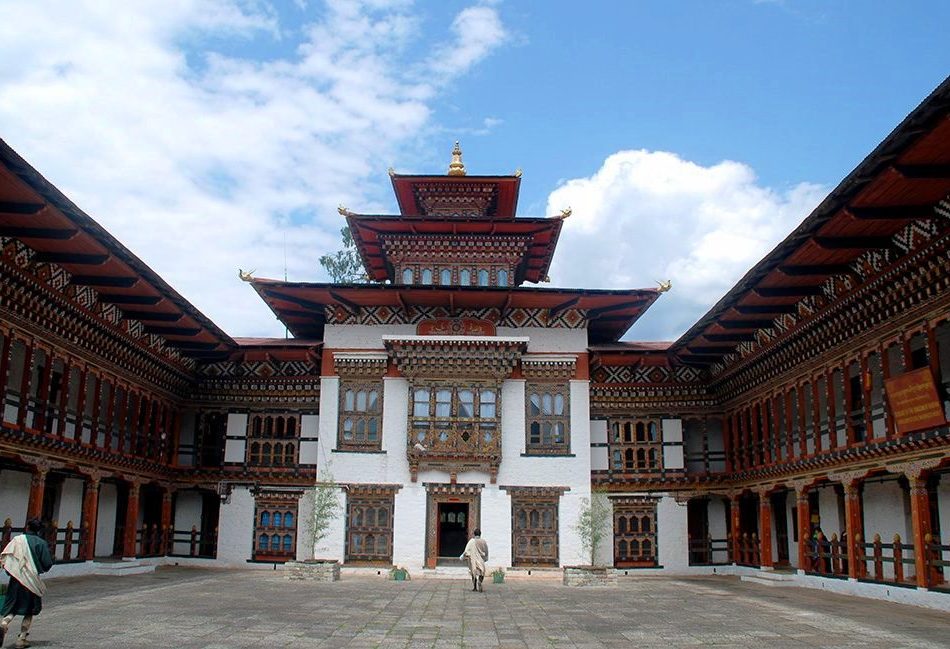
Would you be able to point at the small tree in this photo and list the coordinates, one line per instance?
(345, 266)
(591, 524)
(326, 508)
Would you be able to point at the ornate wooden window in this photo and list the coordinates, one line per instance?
(547, 417)
(426, 275)
(465, 277)
(634, 532)
(456, 416)
(445, 277)
(483, 277)
(361, 415)
(272, 440)
(636, 446)
(275, 527)
(369, 526)
(534, 527)
(502, 277)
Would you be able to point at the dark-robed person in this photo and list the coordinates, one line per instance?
(25, 558)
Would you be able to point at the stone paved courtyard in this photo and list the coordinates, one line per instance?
(177, 607)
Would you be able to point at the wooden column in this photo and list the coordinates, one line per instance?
(735, 527)
(81, 403)
(853, 526)
(804, 526)
(63, 405)
(802, 428)
(25, 384)
(765, 529)
(727, 443)
(42, 395)
(131, 520)
(848, 424)
(166, 519)
(34, 507)
(866, 385)
(832, 410)
(920, 519)
(816, 415)
(6, 349)
(90, 515)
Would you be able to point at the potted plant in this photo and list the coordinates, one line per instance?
(592, 526)
(399, 574)
(498, 576)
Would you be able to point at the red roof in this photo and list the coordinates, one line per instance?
(302, 306)
(370, 231)
(902, 180)
(503, 189)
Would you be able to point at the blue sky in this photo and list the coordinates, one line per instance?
(689, 137)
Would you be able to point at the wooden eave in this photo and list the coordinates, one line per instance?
(506, 187)
(618, 354)
(369, 231)
(302, 306)
(38, 214)
(902, 180)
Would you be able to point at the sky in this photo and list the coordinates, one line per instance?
(688, 137)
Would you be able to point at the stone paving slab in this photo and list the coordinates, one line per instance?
(208, 609)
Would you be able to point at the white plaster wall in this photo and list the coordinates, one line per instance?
(718, 527)
(333, 544)
(105, 522)
(672, 534)
(187, 515)
(599, 458)
(792, 529)
(234, 449)
(886, 512)
(14, 496)
(409, 527)
(672, 433)
(831, 520)
(309, 438)
(236, 527)
(69, 507)
(370, 337)
(305, 526)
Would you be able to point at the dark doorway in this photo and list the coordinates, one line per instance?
(453, 530)
(697, 520)
(781, 527)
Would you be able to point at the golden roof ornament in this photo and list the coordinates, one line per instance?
(456, 167)
(566, 212)
(343, 211)
(246, 275)
(664, 286)
(518, 172)
(391, 172)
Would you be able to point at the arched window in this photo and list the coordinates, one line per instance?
(407, 276)
(426, 275)
(465, 277)
(482, 277)
(502, 278)
(445, 277)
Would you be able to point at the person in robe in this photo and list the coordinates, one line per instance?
(25, 558)
(476, 551)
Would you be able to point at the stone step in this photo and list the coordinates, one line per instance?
(764, 580)
(118, 568)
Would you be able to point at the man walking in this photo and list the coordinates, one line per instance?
(476, 551)
(24, 558)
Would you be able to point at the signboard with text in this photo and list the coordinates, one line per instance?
(914, 401)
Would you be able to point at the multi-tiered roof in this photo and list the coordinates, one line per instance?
(456, 246)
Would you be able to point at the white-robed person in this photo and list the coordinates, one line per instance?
(476, 552)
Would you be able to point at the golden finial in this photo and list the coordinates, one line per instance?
(343, 211)
(456, 167)
(664, 286)
(246, 276)
(391, 172)
(518, 172)
(566, 212)
(546, 279)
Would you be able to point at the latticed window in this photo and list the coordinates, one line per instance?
(455, 417)
(547, 418)
(534, 529)
(369, 527)
(634, 532)
(272, 440)
(361, 414)
(636, 445)
(275, 529)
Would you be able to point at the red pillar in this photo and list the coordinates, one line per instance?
(853, 526)
(42, 395)
(34, 508)
(25, 384)
(90, 515)
(804, 526)
(920, 518)
(765, 529)
(735, 528)
(166, 520)
(131, 521)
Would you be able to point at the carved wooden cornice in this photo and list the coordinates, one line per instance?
(485, 357)
(534, 492)
(360, 489)
(360, 364)
(548, 367)
(457, 489)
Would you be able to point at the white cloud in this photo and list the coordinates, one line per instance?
(647, 216)
(165, 122)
